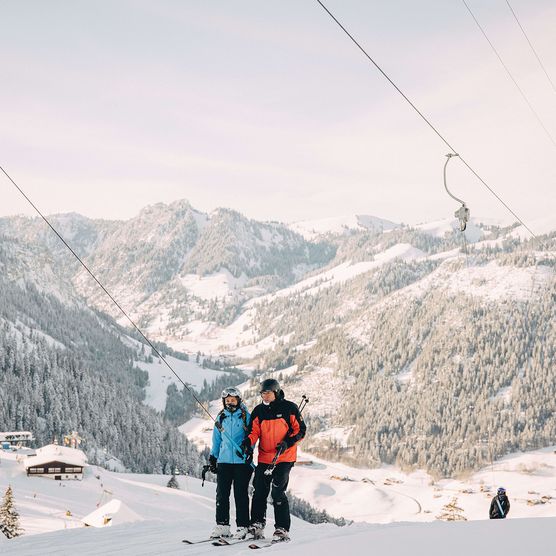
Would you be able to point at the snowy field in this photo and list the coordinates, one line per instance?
(386, 494)
(154, 519)
(160, 377)
(511, 538)
(336, 225)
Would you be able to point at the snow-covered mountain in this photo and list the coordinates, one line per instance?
(311, 229)
(172, 262)
(64, 366)
(83, 234)
(410, 328)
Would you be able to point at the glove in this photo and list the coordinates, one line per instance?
(212, 464)
(282, 446)
(246, 447)
(247, 450)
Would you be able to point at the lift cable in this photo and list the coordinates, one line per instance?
(532, 47)
(521, 92)
(425, 119)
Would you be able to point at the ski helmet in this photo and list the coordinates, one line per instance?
(272, 385)
(234, 392)
(501, 490)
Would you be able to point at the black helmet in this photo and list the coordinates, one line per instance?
(231, 391)
(272, 385)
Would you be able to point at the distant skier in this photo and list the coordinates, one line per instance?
(277, 424)
(229, 432)
(500, 505)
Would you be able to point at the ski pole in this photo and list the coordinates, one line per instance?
(238, 449)
(270, 470)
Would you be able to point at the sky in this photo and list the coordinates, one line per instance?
(269, 109)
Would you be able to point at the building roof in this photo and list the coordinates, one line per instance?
(15, 435)
(53, 452)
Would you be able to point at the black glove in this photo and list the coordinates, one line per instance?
(282, 446)
(212, 464)
(246, 450)
(246, 447)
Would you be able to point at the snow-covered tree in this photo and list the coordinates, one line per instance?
(452, 512)
(173, 483)
(9, 518)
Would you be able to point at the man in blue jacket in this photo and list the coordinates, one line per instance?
(226, 461)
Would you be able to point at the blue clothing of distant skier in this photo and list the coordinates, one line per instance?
(234, 427)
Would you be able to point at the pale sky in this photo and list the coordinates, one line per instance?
(266, 107)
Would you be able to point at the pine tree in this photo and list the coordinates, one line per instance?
(9, 518)
(452, 512)
(173, 483)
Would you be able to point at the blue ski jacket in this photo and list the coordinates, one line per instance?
(234, 428)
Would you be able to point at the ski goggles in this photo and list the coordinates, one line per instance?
(231, 391)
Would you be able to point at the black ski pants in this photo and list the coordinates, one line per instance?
(239, 475)
(276, 484)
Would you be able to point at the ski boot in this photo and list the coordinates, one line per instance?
(257, 530)
(241, 533)
(220, 531)
(280, 535)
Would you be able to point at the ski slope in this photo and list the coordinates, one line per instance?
(153, 519)
(160, 377)
(511, 538)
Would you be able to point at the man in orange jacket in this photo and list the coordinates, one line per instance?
(278, 426)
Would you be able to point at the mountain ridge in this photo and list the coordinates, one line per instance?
(367, 310)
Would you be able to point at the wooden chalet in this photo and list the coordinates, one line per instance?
(57, 462)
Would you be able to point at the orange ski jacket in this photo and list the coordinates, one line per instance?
(272, 423)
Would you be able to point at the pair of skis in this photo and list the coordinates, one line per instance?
(255, 544)
(222, 541)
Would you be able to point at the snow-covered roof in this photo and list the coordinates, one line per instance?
(16, 435)
(53, 452)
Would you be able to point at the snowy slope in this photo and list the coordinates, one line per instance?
(489, 282)
(43, 503)
(386, 494)
(539, 226)
(511, 538)
(154, 518)
(440, 228)
(160, 377)
(311, 229)
(217, 285)
(343, 272)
